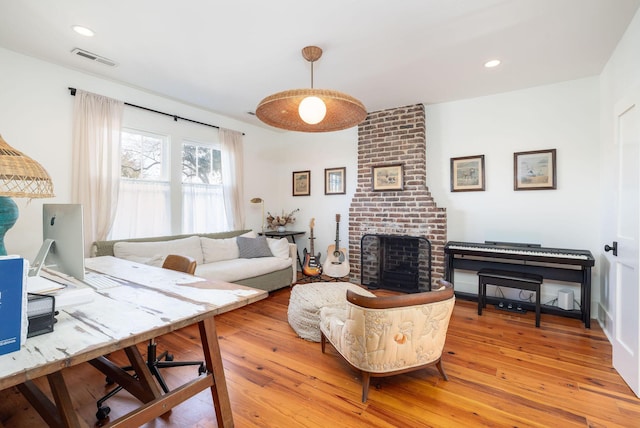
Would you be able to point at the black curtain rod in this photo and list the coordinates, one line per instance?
(175, 117)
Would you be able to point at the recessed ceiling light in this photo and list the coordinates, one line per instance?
(87, 32)
(492, 63)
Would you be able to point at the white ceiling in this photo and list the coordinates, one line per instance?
(227, 55)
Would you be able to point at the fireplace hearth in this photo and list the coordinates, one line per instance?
(396, 262)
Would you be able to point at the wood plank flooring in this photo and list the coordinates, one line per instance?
(503, 372)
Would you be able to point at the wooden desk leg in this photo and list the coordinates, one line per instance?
(143, 387)
(213, 359)
(144, 374)
(62, 414)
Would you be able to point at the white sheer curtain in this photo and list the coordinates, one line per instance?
(97, 122)
(146, 210)
(232, 177)
(199, 199)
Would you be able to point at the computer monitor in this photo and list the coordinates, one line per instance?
(63, 236)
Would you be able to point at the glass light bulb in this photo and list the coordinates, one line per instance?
(312, 110)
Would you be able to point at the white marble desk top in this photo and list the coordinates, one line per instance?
(156, 302)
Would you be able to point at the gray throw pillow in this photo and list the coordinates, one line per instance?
(251, 248)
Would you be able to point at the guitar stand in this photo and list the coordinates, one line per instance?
(306, 279)
(339, 279)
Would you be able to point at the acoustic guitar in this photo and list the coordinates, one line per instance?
(311, 265)
(336, 264)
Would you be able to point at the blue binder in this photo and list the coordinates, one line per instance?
(12, 304)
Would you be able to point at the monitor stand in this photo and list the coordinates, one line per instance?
(38, 262)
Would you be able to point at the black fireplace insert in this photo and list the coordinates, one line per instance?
(395, 262)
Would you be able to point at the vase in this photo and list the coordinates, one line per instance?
(281, 229)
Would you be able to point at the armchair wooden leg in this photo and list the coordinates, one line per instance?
(323, 341)
(441, 370)
(366, 377)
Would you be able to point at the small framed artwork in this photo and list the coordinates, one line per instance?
(534, 170)
(467, 174)
(387, 178)
(301, 183)
(334, 181)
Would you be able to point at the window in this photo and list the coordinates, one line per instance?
(201, 164)
(147, 187)
(144, 207)
(202, 196)
(143, 156)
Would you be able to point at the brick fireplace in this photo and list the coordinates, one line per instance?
(388, 137)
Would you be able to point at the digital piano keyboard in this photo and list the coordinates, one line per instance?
(552, 263)
(524, 252)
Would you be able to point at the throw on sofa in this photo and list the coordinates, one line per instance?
(238, 256)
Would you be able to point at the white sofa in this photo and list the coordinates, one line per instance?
(240, 257)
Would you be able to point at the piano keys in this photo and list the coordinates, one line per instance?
(552, 263)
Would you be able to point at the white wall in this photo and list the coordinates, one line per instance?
(36, 118)
(562, 116)
(312, 152)
(620, 78)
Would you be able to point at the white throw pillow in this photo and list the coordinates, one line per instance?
(279, 247)
(156, 260)
(217, 250)
(250, 234)
(136, 251)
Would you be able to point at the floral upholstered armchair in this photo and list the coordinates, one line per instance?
(384, 336)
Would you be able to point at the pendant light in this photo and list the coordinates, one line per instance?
(311, 110)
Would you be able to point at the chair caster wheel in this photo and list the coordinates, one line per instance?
(202, 369)
(103, 412)
(169, 357)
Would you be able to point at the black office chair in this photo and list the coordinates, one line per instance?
(165, 359)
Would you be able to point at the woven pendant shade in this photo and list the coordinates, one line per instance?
(281, 110)
(21, 176)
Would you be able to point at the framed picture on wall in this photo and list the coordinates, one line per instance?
(334, 179)
(301, 183)
(467, 174)
(534, 170)
(387, 178)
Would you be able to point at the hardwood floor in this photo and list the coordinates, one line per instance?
(503, 372)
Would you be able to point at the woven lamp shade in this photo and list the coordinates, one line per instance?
(21, 176)
(281, 110)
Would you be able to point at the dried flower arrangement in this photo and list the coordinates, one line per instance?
(273, 222)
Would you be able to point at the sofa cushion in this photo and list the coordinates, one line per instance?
(251, 248)
(155, 252)
(215, 250)
(239, 269)
(279, 247)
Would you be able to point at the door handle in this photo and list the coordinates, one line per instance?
(614, 248)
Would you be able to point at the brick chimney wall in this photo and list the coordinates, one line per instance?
(388, 137)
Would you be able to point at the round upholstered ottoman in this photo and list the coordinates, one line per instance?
(306, 300)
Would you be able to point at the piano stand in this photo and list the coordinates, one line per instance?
(510, 279)
(552, 264)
